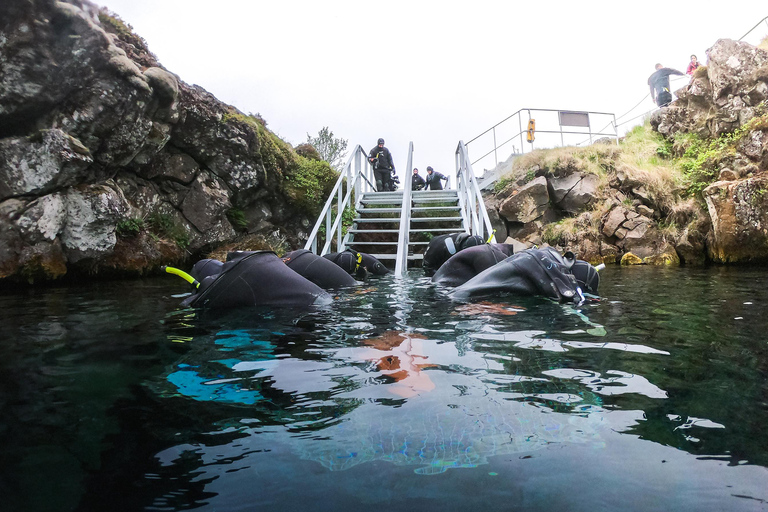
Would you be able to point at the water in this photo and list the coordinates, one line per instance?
(652, 398)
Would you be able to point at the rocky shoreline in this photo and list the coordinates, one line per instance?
(110, 165)
(699, 197)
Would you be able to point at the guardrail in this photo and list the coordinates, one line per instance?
(473, 211)
(569, 124)
(355, 179)
(764, 20)
(403, 240)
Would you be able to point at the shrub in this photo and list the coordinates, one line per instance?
(129, 227)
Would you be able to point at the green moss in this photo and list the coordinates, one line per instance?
(502, 183)
(559, 233)
(309, 182)
(164, 226)
(112, 23)
(129, 227)
(237, 218)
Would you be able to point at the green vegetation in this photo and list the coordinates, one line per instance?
(164, 226)
(331, 149)
(112, 23)
(129, 227)
(307, 181)
(237, 218)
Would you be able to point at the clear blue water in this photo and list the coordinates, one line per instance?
(653, 397)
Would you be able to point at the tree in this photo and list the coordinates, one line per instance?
(331, 149)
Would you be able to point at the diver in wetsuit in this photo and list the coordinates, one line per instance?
(543, 272)
(358, 264)
(466, 264)
(442, 247)
(257, 278)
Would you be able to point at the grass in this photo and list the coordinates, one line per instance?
(164, 226)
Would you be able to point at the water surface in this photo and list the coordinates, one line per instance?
(653, 397)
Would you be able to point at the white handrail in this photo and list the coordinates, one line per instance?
(401, 262)
(358, 180)
(476, 220)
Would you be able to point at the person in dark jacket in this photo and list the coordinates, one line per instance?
(417, 182)
(433, 181)
(383, 166)
(659, 84)
(442, 247)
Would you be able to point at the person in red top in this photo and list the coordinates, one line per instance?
(692, 65)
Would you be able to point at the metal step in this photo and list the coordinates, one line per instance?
(377, 219)
(435, 219)
(383, 210)
(380, 201)
(376, 230)
(433, 208)
(434, 230)
(422, 200)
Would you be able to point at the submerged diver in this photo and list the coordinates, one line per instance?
(256, 278)
(535, 272)
(464, 265)
(358, 264)
(442, 247)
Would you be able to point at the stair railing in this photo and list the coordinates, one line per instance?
(473, 211)
(403, 242)
(356, 177)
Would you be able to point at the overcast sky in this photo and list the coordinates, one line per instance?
(429, 72)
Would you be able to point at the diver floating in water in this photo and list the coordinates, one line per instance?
(256, 278)
(442, 247)
(358, 264)
(541, 272)
(466, 264)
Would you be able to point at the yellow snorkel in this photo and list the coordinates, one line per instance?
(491, 237)
(188, 278)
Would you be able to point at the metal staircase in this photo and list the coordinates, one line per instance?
(376, 228)
(396, 227)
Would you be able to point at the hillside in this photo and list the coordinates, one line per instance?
(686, 187)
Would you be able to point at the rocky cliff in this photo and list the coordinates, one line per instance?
(111, 164)
(693, 190)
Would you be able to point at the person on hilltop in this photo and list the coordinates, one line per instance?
(693, 65)
(417, 182)
(659, 83)
(433, 179)
(383, 166)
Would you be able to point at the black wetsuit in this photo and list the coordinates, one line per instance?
(383, 167)
(417, 182)
(256, 279)
(433, 180)
(358, 264)
(541, 272)
(466, 264)
(442, 247)
(659, 84)
(319, 270)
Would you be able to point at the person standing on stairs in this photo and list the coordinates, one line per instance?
(383, 166)
(417, 182)
(433, 180)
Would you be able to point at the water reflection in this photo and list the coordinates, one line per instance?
(118, 394)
